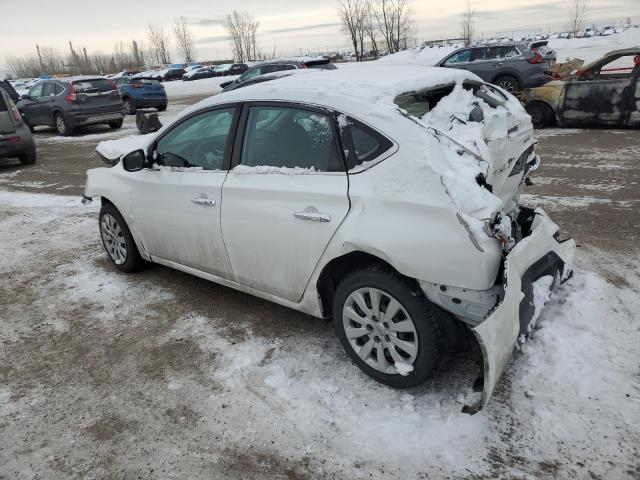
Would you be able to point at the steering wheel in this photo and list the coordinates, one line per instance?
(208, 146)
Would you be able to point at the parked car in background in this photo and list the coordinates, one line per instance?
(267, 77)
(279, 66)
(333, 192)
(236, 69)
(141, 92)
(167, 74)
(609, 30)
(512, 66)
(605, 92)
(8, 88)
(15, 138)
(199, 74)
(68, 103)
(221, 70)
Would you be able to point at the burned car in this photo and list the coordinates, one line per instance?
(603, 93)
(390, 203)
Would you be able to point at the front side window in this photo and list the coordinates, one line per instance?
(200, 141)
(460, 57)
(290, 137)
(254, 72)
(36, 90)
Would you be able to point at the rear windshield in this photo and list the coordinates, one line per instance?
(419, 103)
(93, 86)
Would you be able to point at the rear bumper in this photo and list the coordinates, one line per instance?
(149, 102)
(78, 119)
(25, 144)
(535, 256)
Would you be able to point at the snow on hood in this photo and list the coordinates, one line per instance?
(114, 149)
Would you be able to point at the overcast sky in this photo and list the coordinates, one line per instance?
(285, 25)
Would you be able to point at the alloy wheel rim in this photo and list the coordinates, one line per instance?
(113, 238)
(379, 329)
(60, 124)
(507, 85)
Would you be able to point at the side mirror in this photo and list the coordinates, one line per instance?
(134, 161)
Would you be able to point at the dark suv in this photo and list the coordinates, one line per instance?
(72, 102)
(512, 66)
(278, 66)
(15, 138)
(7, 87)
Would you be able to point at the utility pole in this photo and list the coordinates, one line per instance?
(40, 58)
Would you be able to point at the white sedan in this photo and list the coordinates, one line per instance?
(384, 197)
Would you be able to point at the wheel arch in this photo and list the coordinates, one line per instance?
(508, 73)
(548, 105)
(338, 267)
(134, 233)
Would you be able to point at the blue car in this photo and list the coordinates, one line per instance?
(141, 92)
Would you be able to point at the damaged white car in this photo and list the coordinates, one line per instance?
(386, 198)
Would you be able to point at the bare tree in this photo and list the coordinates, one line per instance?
(352, 16)
(395, 22)
(371, 28)
(578, 10)
(468, 29)
(184, 39)
(159, 43)
(242, 28)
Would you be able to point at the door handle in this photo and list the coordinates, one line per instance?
(313, 216)
(207, 202)
(497, 64)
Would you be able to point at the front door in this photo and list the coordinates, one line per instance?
(176, 204)
(34, 107)
(285, 199)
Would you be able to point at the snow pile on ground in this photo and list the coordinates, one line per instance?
(124, 366)
(592, 48)
(205, 86)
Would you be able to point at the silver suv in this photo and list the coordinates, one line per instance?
(512, 66)
(72, 102)
(15, 139)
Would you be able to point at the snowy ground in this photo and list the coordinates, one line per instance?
(163, 375)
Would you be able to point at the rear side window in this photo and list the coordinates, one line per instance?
(363, 143)
(93, 86)
(49, 89)
(291, 138)
(57, 88)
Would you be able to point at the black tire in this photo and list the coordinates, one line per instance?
(128, 108)
(61, 125)
(132, 259)
(430, 348)
(508, 83)
(28, 158)
(162, 108)
(541, 114)
(116, 124)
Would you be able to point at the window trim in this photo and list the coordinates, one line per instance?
(233, 129)
(242, 130)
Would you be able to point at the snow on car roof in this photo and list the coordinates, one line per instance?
(335, 88)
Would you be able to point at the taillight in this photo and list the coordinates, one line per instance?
(72, 94)
(537, 58)
(14, 112)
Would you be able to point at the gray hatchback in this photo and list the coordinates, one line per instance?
(72, 102)
(512, 66)
(15, 138)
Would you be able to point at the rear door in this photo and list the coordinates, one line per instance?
(285, 199)
(97, 96)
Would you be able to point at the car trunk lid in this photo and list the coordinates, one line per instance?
(97, 95)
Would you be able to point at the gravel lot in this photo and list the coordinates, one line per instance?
(163, 375)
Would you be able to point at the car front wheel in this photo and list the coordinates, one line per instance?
(117, 240)
(541, 115)
(388, 329)
(128, 108)
(116, 124)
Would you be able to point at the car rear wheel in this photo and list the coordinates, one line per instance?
(116, 124)
(388, 329)
(541, 114)
(508, 83)
(28, 158)
(128, 108)
(162, 108)
(118, 241)
(61, 125)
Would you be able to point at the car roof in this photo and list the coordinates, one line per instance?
(363, 91)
